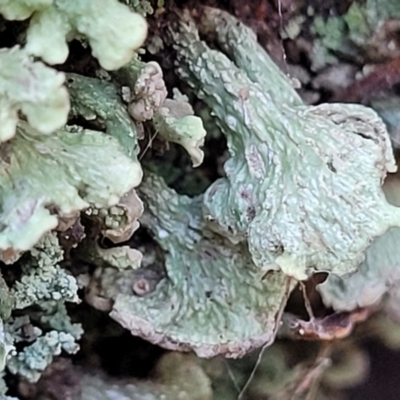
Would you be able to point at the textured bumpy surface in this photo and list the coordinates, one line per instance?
(173, 119)
(176, 122)
(44, 280)
(148, 90)
(376, 276)
(112, 29)
(100, 102)
(33, 88)
(45, 286)
(212, 299)
(120, 221)
(43, 177)
(33, 360)
(303, 184)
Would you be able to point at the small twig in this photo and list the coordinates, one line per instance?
(148, 145)
(232, 375)
(307, 303)
(324, 354)
(284, 56)
(266, 345)
(254, 370)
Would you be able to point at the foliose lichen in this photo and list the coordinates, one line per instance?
(303, 183)
(67, 171)
(54, 23)
(173, 119)
(100, 102)
(32, 88)
(211, 299)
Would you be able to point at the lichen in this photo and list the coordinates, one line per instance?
(377, 278)
(143, 7)
(33, 359)
(43, 177)
(211, 299)
(377, 275)
(303, 184)
(100, 102)
(22, 9)
(32, 88)
(44, 281)
(175, 121)
(6, 347)
(56, 318)
(148, 89)
(363, 26)
(114, 32)
(6, 300)
(120, 221)
(121, 257)
(388, 108)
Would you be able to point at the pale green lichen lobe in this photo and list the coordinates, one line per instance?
(303, 184)
(22, 9)
(33, 88)
(210, 298)
(100, 101)
(176, 122)
(113, 31)
(65, 171)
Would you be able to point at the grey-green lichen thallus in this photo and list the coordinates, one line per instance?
(303, 184)
(302, 194)
(210, 298)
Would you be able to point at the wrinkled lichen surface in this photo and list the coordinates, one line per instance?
(284, 190)
(212, 299)
(59, 170)
(303, 183)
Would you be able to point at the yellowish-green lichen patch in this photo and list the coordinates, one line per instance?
(113, 30)
(33, 88)
(43, 177)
